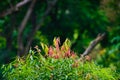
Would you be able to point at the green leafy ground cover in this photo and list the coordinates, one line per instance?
(58, 63)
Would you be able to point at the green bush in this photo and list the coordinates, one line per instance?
(58, 63)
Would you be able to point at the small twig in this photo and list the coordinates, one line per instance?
(14, 8)
(93, 44)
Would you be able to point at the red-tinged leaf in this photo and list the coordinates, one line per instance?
(67, 54)
(56, 56)
(73, 55)
(62, 48)
(56, 43)
(50, 51)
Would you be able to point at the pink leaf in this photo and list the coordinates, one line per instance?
(50, 51)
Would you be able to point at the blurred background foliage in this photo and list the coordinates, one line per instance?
(78, 20)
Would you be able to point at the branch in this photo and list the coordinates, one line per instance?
(93, 44)
(21, 28)
(49, 8)
(14, 8)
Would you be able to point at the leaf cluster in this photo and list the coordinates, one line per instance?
(38, 67)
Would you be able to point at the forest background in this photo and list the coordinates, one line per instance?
(24, 24)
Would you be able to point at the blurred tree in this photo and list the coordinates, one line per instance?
(112, 10)
(112, 53)
(79, 20)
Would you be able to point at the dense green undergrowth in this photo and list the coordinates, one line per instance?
(58, 63)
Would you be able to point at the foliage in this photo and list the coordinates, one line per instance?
(78, 20)
(58, 51)
(38, 67)
(111, 57)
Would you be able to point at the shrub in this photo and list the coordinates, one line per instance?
(59, 63)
